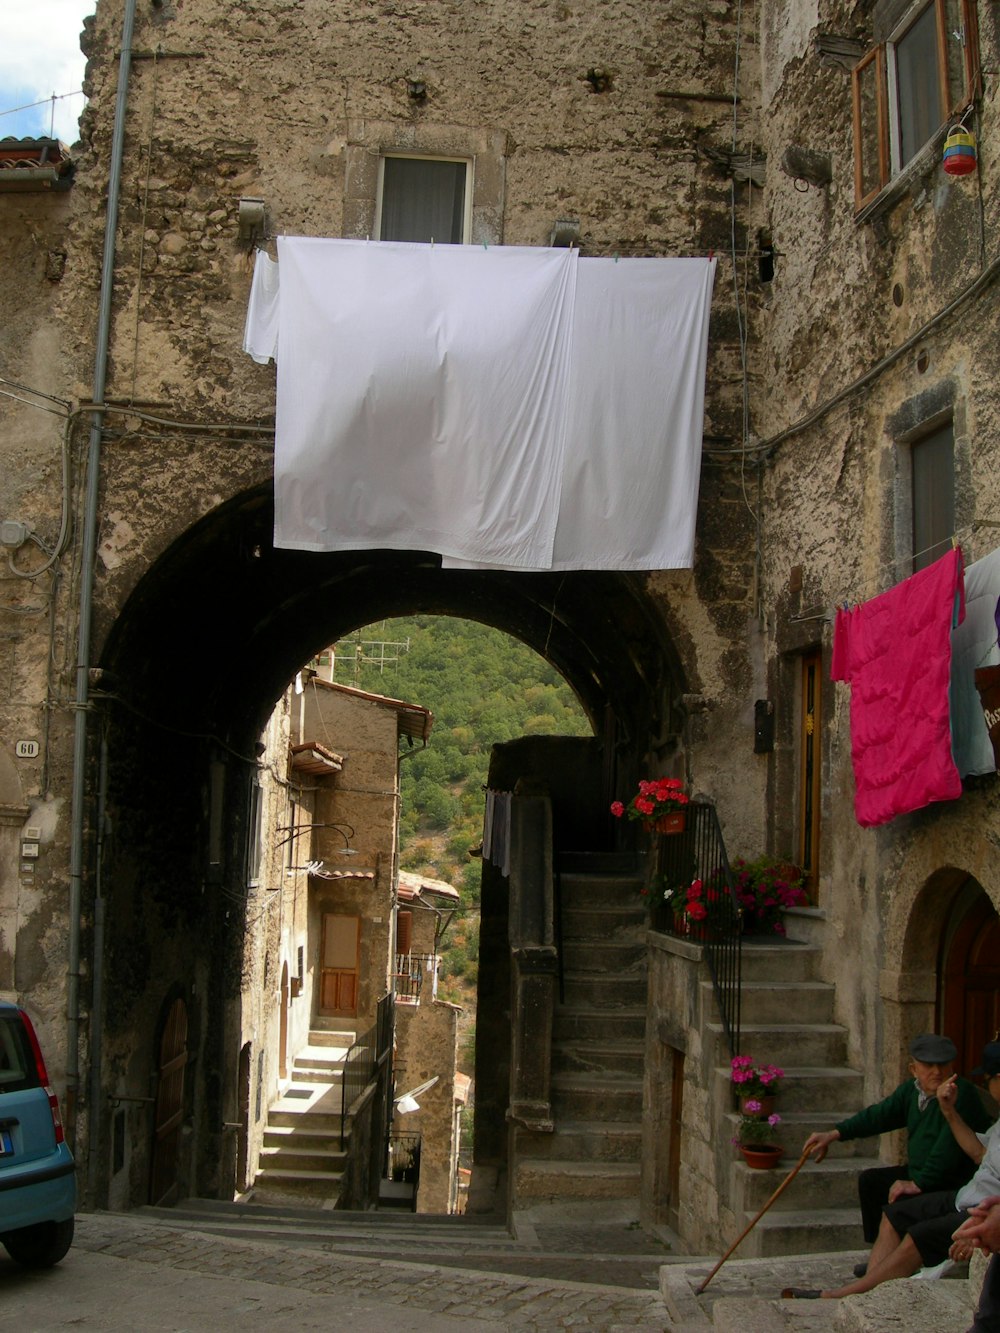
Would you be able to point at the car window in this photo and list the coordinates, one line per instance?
(17, 1065)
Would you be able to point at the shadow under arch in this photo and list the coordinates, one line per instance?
(191, 669)
(950, 952)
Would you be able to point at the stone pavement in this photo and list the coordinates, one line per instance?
(130, 1274)
(136, 1273)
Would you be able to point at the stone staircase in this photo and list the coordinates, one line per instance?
(597, 1052)
(787, 1019)
(302, 1154)
(590, 1249)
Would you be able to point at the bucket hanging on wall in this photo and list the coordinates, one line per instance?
(959, 151)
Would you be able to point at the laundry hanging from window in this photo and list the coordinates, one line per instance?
(515, 408)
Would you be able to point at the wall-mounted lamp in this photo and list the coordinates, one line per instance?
(565, 233)
(252, 220)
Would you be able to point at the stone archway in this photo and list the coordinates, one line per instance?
(190, 671)
(948, 978)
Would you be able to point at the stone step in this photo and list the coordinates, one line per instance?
(605, 992)
(304, 1136)
(831, 1184)
(587, 1023)
(812, 1232)
(312, 1184)
(774, 1001)
(298, 1157)
(341, 1039)
(311, 1122)
(550, 1181)
(830, 1094)
(624, 1057)
(604, 923)
(597, 958)
(599, 890)
(592, 1097)
(781, 960)
(784, 1044)
(584, 1141)
(366, 1225)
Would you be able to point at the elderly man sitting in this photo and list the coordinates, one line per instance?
(935, 1161)
(917, 1230)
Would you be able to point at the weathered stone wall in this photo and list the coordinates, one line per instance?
(426, 1047)
(852, 299)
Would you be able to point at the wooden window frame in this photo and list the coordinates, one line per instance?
(885, 112)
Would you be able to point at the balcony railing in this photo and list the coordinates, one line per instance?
(693, 868)
(411, 970)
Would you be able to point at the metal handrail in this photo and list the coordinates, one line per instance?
(362, 1061)
(409, 975)
(699, 853)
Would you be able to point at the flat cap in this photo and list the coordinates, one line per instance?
(930, 1049)
(991, 1059)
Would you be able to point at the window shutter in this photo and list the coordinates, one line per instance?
(871, 130)
(404, 931)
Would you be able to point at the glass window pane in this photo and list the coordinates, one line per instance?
(918, 94)
(958, 39)
(423, 200)
(933, 467)
(867, 129)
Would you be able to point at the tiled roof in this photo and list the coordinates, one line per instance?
(34, 164)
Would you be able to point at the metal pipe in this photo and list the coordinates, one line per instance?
(97, 987)
(88, 559)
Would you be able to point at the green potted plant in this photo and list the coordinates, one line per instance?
(765, 889)
(755, 1136)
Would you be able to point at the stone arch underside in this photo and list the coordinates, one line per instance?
(191, 669)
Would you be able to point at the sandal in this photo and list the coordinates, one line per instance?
(801, 1294)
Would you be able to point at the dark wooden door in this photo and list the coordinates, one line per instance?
(169, 1106)
(338, 973)
(970, 976)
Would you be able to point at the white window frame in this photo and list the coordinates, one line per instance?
(428, 157)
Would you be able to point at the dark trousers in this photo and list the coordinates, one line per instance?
(873, 1193)
(987, 1318)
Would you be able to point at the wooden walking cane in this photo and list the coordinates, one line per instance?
(780, 1190)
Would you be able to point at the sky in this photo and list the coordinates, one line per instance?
(40, 55)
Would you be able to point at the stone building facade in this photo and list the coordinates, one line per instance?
(849, 324)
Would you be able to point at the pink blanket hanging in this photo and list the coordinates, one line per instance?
(896, 653)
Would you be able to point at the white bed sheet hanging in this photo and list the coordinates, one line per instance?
(514, 408)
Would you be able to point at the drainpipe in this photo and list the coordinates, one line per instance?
(97, 983)
(88, 558)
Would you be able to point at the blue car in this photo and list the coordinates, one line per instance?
(37, 1171)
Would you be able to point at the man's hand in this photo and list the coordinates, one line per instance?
(947, 1094)
(816, 1145)
(899, 1188)
(981, 1230)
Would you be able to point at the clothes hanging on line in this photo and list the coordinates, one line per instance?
(895, 651)
(973, 646)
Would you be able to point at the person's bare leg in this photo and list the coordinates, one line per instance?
(886, 1241)
(902, 1262)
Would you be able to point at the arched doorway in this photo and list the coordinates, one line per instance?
(969, 974)
(193, 667)
(169, 1108)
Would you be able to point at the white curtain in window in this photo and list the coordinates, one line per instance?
(513, 408)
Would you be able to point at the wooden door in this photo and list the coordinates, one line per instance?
(169, 1106)
(970, 977)
(338, 972)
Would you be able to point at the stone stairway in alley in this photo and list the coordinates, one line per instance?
(787, 1020)
(591, 1248)
(302, 1154)
(597, 1052)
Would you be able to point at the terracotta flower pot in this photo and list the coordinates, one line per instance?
(761, 1156)
(765, 1105)
(669, 823)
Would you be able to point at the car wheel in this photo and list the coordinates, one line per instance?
(39, 1246)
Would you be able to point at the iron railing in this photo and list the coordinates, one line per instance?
(403, 1158)
(364, 1059)
(410, 970)
(695, 898)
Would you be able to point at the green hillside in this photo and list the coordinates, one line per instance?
(482, 687)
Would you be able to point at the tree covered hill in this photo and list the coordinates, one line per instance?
(482, 687)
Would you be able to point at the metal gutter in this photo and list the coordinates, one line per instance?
(88, 559)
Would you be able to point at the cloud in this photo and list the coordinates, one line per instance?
(40, 55)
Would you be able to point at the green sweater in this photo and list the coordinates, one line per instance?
(936, 1161)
